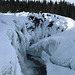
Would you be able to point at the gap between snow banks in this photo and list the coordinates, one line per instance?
(57, 46)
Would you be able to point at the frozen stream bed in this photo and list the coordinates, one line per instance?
(39, 68)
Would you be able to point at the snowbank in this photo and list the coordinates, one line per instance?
(8, 59)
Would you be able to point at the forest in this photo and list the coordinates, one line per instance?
(62, 8)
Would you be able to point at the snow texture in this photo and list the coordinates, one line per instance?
(47, 36)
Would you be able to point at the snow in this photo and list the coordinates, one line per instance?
(50, 37)
(53, 69)
(60, 46)
(8, 57)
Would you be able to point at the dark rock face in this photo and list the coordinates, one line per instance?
(50, 24)
(35, 20)
(39, 69)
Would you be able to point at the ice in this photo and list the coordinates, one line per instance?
(50, 38)
(53, 69)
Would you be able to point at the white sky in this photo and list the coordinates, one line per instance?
(71, 1)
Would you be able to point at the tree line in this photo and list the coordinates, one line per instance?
(62, 8)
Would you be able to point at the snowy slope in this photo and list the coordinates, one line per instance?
(8, 58)
(48, 36)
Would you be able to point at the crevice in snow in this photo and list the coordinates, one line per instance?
(39, 68)
(38, 34)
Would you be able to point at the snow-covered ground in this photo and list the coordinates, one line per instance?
(48, 36)
(9, 64)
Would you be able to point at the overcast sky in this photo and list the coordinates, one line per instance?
(71, 1)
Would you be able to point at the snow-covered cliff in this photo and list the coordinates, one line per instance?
(49, 38)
